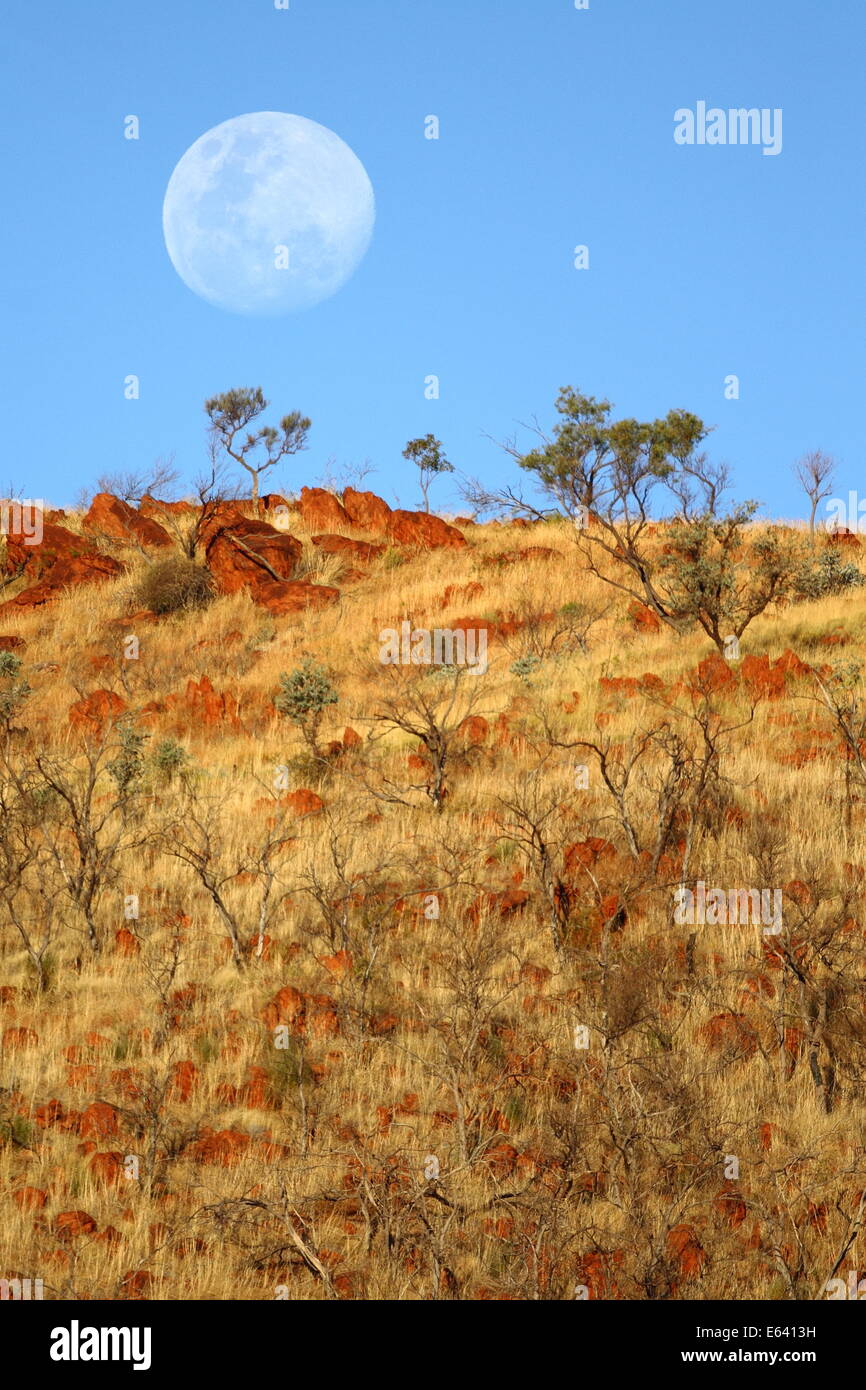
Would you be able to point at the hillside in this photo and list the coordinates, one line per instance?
(404, 997)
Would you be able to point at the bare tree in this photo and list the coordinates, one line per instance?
(430, 706)
(131, 486)
(349, 475)
(814, 473)
(89, 819)
(191, 524)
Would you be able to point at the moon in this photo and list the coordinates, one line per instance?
(267, 214)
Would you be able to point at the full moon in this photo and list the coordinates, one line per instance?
(268, 213)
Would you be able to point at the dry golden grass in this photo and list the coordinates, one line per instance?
(452, 1038)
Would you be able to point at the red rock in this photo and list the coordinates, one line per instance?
(730, 1205)
(30, 1198)
(270, 501)
(423, 531)
(281, 599)
(63, 574)
(135, 1284)
(351, 739)
(596, 1271)
(153, 507)
(766, 1132)
(224, 1148)
(362, 551)
(107, 1167)
(505, 558)
(91, 714)
(110, 516)
(287, 1007)
(35, 560)
(17, 1039)
(98, 1120)
(338, 965)
(842, 536)
(125, 943)
(321, 510)
(587, 853)
(12, 644)
(366, 511)
(474, 730)
(644, 619)
(761, 679)
(243, 554)
(74, 1223)
(730, 1032)
(303, 802)
(683, 1243)
(203, 706)
(184, 1079)
(51, 1113)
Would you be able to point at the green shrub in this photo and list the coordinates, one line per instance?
(831, 575)
(169, 758)
(525, 667)
(13, 690)
(304, 696)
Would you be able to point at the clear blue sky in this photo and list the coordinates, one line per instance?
(556, 129)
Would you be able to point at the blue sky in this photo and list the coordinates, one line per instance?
(556, 130)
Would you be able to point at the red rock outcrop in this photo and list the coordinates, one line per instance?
(205, 706)
(36, 558)
(423, 531)
(65, 573)
(366, 511)
(152, 506)
(363, 551)
(111, 516)
(280, 599)
(74, 1223)
(91, 714)
(246, 554)
(60, 559)
(842, 536)
(321, 510)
